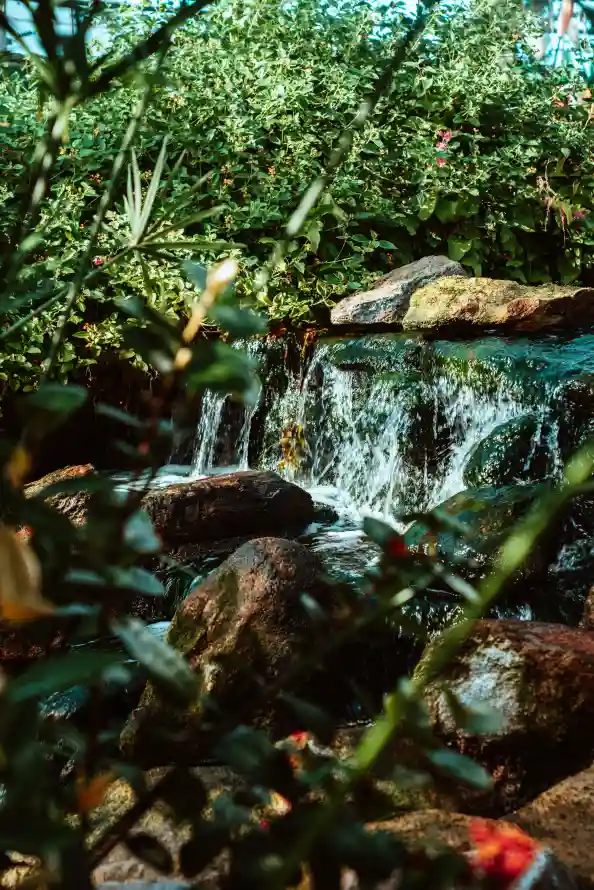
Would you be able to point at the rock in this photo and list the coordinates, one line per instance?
(71, 505)
(488, 513)
(121, 867)
(433, 831)
(574, 405)
(470, 303)
(540, 679)
(240, 628)
(388, 300)
(228, 506)
(561, 819)
(515, 451)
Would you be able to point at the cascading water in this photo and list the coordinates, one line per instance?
(383, 441)
(390, 425)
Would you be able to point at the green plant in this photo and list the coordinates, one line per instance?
(62, 578)
(508, 194)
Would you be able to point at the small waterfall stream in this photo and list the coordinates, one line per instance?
(390, 425)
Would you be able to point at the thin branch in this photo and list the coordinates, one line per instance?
(141, 52)
(105, 203)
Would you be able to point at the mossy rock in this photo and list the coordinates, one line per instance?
(489, 515)
(470, 303)
(514, 452)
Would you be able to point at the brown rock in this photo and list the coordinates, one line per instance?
(388, 300)
(432, 831)
(562, 819)
(466, 303)
(240, 629)
(540, 678)
(229, 506)
(71, 505)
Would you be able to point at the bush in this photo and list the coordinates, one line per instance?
(256, 110)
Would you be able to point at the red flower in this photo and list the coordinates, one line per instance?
(98, 261)
(502, 850)
(395, 546)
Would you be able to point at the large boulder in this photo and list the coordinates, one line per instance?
(240, 628)
(388, 300)
(540, 679)
(471, 303)
(497, 843)
(228, 506)
(561, 818)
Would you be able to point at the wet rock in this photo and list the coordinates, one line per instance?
(240, 628)
(515, 451)
(71, 505)
(228, 506)
(540, 679)
(574, 405)
(388, 300)
(471, 303)
(562, 819)
(488, 513)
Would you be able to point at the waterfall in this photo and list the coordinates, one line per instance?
(383, 439)
(213, 422)
(203, 460)
(388, 423)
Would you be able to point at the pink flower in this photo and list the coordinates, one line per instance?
(98, 261)
(441, 162)
(445, 135)
(442, 146)
(579, 214)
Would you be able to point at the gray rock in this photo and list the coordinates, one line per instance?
(388, 301)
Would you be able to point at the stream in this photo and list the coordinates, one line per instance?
(394, 425)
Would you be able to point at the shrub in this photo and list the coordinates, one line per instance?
(256, 110)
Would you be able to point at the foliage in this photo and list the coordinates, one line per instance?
(269, 86)
(61, 580)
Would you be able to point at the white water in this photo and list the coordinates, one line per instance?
(361, 455)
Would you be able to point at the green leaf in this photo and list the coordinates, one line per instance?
(478, 718)
(238, 322)
(447, 210)
(58, 398)
(387, 245)
(197, 273)
(313, 233)
(378, 530)
(137, 579)
(458, 247)
(61, 672)
(150, 850)
(140, 535)
(427, 205)
(120, 416)
(166, 666)
(460, 767)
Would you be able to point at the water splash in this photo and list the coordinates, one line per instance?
(207, 434)
(385, 439)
